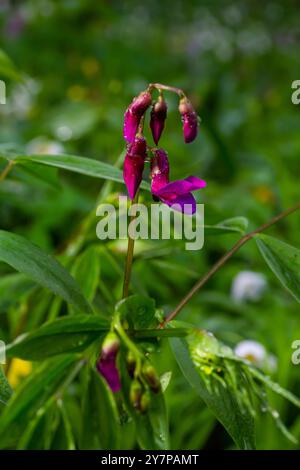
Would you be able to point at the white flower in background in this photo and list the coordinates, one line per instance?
(41, 145)
(248, 285)
(22, 97)
(257, 354)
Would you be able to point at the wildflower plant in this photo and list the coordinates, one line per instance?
(103, 354)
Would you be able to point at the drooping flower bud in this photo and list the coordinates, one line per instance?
(135, 394)
(107, 362)
(134, 113)
(130, 363)
(134, 165)
(151, 377)
(190, 120)
(158, 117)
(159, 170)
(145, 402)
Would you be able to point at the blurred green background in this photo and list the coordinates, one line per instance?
(82, 63)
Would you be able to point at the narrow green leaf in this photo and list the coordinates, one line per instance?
(43, 268)
(82, 165)
(67, 334)
(5, 389)
(283, 260)
(7, 68)
(86, 271)
(30, 396)
(100, 422)
(232, 225)
(12, 287)
(221, 385)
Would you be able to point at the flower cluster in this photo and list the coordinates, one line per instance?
(176, 194)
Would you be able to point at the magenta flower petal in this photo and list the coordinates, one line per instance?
(107, 363)
(159, 170)
(131, 124)
(190, 127)
(134, 113)
(158, 118)
(179, 187)
(134, 165)
(185, 203)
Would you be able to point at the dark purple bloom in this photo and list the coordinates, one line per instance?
(134, 113)
(107, 363)
(190, 120)
(134, 165)
(158, 117)
(176, 194)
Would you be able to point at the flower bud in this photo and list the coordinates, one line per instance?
(106, 364)
(190, 120)
(135, 394)
(134, 165)
(145, 402)
(134, 113)
(158, 117)
(151, 377)
(130, 363)
(159, 170)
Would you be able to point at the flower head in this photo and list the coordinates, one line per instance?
(134, 165)
(256, 353)
(106, 364)
(158, 117)
(134, 113)
(190, 120)
(248, 285)
(176, 194)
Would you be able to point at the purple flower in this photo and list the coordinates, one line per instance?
(176, 194)
(134, 113)
(134, 165)
(106, 364)
(158, 117)
(190, 120)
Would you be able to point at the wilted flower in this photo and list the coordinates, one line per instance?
(248, 285)
(106, 364)
(134, 113)
(134, 165)
(190, 120)
(256, 353)
(158, 117)
(176, 194)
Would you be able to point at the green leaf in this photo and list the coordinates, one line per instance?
(232, 225)
(67, 334)
(43, 268)
(221, 384)
(12, 287)
(86, 271)
(100, 422)
(5, 389)
(7, 68)
(283, 260)
(30, 396)
(138, 310)
(82, 165)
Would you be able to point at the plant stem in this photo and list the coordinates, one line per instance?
(160, 86)
(129, 256)
(155, 333)
(223, 260)
(6, 170)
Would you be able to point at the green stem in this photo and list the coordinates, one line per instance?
(129, 256)
(173, 89)
(165, 333)
(118, 327)
(199, 284)
(6, 170)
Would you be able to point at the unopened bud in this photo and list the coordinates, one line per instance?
(106, 364)
(158, 118)
(134, 165)
(134, 113)
(151, 377)
(145, 402)
(135, 394)
(190, 120)
(131, 363)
